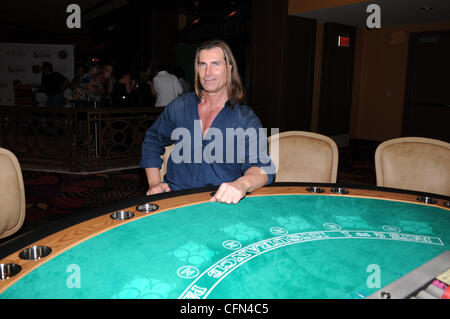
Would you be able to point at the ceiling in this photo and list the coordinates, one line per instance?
(51, 15)
(393, 12)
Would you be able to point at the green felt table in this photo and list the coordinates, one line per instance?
(280, 242)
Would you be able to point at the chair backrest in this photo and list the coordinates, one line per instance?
(414, 163)
(165, 158)
(12, 194)
(304, 157)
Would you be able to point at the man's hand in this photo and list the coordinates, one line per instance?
(159, 188)
(230, 192)
(233, 192)
(155, 184)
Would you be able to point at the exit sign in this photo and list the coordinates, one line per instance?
(343, 41)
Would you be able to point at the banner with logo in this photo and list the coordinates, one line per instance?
(22, 62)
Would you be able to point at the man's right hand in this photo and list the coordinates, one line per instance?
(155, 184)
(159, 188)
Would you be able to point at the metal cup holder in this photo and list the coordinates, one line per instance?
(9, 270)
(339, 190)
(385, 295)
(122, 215)
(315, 189)
(35, 252)
(147, 208)
(426, 200)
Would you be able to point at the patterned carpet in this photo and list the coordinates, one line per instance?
(53, 196)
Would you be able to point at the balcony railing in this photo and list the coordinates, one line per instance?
(75, 140)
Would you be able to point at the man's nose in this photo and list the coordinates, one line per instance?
(207, 70)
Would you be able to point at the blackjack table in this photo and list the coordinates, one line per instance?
(282, 241)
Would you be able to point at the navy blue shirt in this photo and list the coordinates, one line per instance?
(235, 142)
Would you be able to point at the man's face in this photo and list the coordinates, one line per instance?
(212, 70)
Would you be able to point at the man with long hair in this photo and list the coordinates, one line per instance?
(236, 158)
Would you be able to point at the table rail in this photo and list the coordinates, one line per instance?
(93, 223)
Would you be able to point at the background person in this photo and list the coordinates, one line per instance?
(166, 86)
(54, 85)
(93, 83)
(122, 87)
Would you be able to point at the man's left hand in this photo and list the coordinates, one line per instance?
(230, 192)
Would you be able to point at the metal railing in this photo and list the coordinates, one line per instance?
(75, 139)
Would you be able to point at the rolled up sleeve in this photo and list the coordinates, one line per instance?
(261, 158)
(157, 137)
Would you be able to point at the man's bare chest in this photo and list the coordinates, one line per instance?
(207, 117)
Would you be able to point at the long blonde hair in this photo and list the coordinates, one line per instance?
(236, 93)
